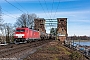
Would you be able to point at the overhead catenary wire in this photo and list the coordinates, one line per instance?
(9, 16)
(52, 7)
(48, 12)
(42, 8)
(14, 6)
(57, 8)
(20, 5)
(47, 9)
(9, 12)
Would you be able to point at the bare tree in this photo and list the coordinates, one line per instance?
(8, 29)
(1, 25)
(2, 37)
(26, 20)
(30, 21)
(53, 31)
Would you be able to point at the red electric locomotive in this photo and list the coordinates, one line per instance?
(22, 35)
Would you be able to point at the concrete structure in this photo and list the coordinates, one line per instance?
(39, 24)
(62, 29)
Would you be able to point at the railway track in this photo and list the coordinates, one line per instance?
(20, 51)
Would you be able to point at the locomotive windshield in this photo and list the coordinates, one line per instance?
(20, 30)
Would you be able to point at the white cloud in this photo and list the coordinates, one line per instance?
(8, 18)
(74, 15)
(78, 21)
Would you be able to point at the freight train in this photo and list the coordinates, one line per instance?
(25, 34)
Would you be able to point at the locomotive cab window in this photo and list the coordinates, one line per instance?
(20, 30)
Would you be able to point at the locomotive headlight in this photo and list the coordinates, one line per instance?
(20, 35)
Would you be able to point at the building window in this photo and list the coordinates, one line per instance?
(62, 30)
(38, 29)
(61, 20)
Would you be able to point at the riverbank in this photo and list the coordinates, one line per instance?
(55, 51)
(80, 40)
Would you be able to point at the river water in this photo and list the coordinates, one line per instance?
(87, 43)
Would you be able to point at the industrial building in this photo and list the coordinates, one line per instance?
(62, 29)
(39, 24)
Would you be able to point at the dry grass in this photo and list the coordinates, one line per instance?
(55, 51)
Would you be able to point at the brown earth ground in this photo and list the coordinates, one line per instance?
(55, 51)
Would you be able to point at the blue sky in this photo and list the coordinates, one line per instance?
(77, 12)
